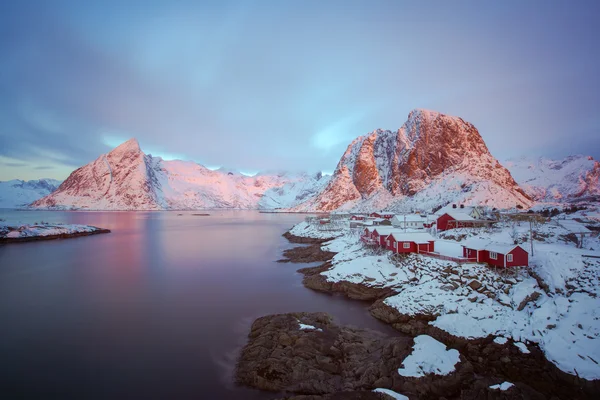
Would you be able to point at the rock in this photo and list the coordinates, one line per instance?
(532, 297)
(474, 284)
(281, 357)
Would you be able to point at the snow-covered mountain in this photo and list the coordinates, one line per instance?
(573, 178)
(128, 179)
(294, 193)
(17, 193)
(431, 160)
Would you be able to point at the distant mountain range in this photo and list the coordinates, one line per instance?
(17, 193)
(432, 160)
(128, 179)
(573, 178)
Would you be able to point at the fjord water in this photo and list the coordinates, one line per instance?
(159, 308)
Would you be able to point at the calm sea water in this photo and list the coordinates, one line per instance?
(159, 308)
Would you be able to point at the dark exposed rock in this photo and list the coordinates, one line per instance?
(282, 357)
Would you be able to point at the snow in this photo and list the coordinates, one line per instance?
(391, 393)
(448, 248)
(306, 229)
(41, 229)
(304, 327)
(17, 193)
(522, 347)
(562, 317)
(429, 357)
(556, 180)
(502, 386)
(128, 179)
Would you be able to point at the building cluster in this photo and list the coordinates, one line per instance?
(412, 233)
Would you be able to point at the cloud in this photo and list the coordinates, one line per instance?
(284, 85)
(44, 167)
(14, 164)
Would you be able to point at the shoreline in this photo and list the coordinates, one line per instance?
(26, 239)
(533, 374)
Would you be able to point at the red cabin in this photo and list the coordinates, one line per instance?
(496, 254)
(380, 233)
(375, 215)
(452, 220)
(357, 217)
(405, 242)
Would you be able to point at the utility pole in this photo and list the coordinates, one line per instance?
(531, 234)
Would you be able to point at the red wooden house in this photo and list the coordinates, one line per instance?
(410, 242)
(496, 254)
(452, 220)
(377, 234)
(357, 217)
(381, 215)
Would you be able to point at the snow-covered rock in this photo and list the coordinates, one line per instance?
(575, 177)
(562, 316)
(433, 159)
(391, 394)
(429, 357)
(502, 386)
(17, 193)
(128, 179)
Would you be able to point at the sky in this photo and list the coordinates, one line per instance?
(287, 85)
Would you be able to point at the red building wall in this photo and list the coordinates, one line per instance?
(442, 222)
(412, 247)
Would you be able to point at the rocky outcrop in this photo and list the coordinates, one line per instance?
(426, 154)
(538, 375)
(325, 358)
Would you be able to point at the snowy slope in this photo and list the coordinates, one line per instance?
(433, 159)
(17, 193)
(293, 193)
(128, 179)
(562, 318)
(544, 179)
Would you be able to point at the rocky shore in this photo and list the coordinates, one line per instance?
(44, 231)
(277, 346)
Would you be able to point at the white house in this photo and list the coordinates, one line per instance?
(409, 221)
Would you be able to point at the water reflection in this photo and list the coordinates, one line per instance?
(158, 308)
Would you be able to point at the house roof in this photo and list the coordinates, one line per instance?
(385, 229)
(410, 218)
(449, 208)
(417, 237)
(573, 226)
(481, 244)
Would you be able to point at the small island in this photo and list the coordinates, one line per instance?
(17, 233)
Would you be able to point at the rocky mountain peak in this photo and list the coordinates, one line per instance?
(384, 166)
(128, 147)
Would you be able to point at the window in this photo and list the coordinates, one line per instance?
(388, 242)
(406, 245)
(509, 258)
(493, 255)
(395, 245)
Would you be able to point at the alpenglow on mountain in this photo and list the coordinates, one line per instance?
(128, 179)
(433, 159)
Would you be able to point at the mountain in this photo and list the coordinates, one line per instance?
(294, 193)
(571, 179)
(431, 160)
(128, 179)
(17, 193)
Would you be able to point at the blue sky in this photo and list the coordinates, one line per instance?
(288, 84)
